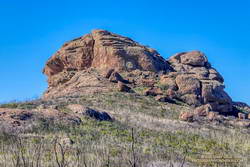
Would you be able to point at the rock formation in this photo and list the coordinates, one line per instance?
(196, 82)
(103, 50)
(80, 64)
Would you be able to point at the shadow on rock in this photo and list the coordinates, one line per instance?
(100, 116)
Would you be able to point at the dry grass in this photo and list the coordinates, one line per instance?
(158, 139)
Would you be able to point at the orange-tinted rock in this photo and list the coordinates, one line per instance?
(186, 116)
(122, 53)
(188, 85)
(104, 50)
(171, 94)
(76, 54)
(188, 75)
(203, 110)
(168, 82)
(198, 83)
(214, 92)
(191, 99)
(212, 115)
(82, 83)
(194, 58)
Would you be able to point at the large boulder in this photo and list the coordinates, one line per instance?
(186, 116)
(188, 84)
(122, 53)
(194, 59)
(197, 82)
(168, 82)
(104, 50)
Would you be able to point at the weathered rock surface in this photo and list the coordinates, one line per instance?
(104, 50)
(95, 63)
(203, 110)
(197, 82)
(187, 116)
(83, 82)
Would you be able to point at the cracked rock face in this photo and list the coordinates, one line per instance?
(104, 50)
(74, 55)
(186, 76)
(197, 82)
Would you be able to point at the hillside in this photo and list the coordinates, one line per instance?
(114, 102)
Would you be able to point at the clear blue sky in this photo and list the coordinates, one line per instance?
(31, 31)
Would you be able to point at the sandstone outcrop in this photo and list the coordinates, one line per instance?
(196, 82)
(104, 50)
(82, 82)
(95, 63)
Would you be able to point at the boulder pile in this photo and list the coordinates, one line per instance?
(197, 83)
